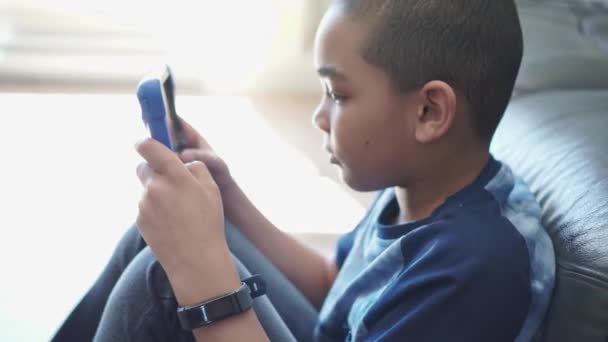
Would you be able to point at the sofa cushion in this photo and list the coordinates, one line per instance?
(596, 27)
(557, 55)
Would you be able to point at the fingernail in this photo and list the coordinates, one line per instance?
(139, 142)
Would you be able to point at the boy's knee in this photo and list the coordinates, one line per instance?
(144, 281)
(142, 305)
(128, 247)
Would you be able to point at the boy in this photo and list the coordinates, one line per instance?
(451, 250)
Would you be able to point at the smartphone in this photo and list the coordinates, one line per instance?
(156, 94)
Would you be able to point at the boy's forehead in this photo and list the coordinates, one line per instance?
(339, 38)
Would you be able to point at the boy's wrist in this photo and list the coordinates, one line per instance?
(213, 275)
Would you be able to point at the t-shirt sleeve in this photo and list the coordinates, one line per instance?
(449, 294)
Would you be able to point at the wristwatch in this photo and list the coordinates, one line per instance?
(223, 306)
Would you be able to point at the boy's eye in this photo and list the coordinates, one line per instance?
(337, 98)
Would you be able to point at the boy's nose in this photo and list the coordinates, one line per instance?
(321, 119)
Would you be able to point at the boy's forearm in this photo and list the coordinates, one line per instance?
(310, 271)
(191, 286)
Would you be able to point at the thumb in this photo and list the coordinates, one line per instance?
(193, 138)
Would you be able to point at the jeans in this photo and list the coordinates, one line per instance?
(132, 299)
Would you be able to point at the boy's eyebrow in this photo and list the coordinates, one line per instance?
(330, 72)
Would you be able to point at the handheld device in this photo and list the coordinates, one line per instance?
(156, 94)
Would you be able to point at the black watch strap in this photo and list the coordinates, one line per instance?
(221, 307)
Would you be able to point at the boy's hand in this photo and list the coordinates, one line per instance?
(199, 150)
(180, 214)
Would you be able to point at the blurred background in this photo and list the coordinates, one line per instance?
(70, 117)
(230, 45)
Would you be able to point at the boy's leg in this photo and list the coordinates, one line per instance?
(82, 322)
(142, 307)
(299, 315)
(295, 310)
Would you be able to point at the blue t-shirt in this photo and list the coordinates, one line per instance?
(480, 268)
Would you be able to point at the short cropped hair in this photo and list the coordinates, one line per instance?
(476, 46)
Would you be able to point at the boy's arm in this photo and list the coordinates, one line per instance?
(310, 271)
(181, 219)
(307, 269)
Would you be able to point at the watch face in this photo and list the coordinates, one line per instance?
(221, 308)
(216, 309)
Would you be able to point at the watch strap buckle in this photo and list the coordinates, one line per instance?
(257, 285)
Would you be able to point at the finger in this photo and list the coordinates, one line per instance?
(159, 157)
(199, 171)
(193, 138)
(191, 155)
(144, 173)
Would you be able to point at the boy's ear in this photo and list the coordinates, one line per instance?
(437, 111)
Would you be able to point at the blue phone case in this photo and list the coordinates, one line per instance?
(149, 93)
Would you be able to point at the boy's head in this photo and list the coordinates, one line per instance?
(407, 81)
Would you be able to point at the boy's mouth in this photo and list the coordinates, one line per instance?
(332, 157)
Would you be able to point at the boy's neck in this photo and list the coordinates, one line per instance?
(419, 200)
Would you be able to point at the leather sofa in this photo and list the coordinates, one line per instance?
(558, 142)
(566, 46)
(555, 135)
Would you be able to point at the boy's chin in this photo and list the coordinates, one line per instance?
(360, 183)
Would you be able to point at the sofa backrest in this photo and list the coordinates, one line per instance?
(558, 142)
